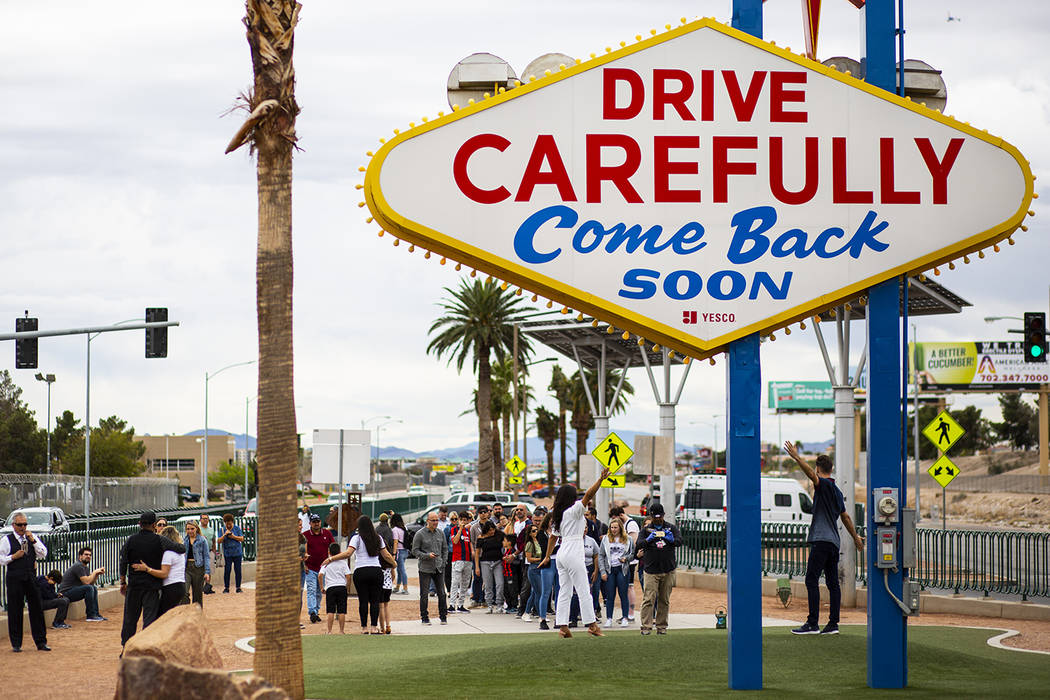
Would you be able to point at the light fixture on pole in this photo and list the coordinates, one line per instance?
(50, 379)
(204, 459)
(366, 422)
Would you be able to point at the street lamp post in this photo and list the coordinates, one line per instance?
(50, 379)
(247, 401)
(379, 427)
(204, 459)
(714, 432)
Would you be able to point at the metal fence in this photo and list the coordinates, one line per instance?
(66, 491)
(991, 483)
(993, 561)
(106, 543)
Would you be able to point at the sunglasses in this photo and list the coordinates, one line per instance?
(20, 524)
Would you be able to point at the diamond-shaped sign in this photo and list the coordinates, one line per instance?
(698, 186)
(612, 452)
(615, 481)
(943, 431)
(515, 466)
(943, 471)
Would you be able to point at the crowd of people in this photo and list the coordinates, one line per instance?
(561, 562)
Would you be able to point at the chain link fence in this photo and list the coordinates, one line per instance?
(67, 492)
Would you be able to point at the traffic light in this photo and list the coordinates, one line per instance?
(156, 338)
(1034, 336)
(25, 350)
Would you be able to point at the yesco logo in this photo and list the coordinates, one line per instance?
(698, 186)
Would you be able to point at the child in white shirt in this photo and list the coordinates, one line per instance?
(334, 579)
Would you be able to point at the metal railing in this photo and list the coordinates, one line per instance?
(105, 543)
(1005, 562)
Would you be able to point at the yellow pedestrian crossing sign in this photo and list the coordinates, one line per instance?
(943, 471)
(515, 466)
(615, 481)
(515, 481)
(612, 452)
(943, 431)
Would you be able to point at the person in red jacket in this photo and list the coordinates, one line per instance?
(318, 540)
(462, 563)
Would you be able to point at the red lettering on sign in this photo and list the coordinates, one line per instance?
(664, 167)
(707, 95)
(618, 175)
(840, 192)
(743, 106)
(459, 168)
(939, 169)
(778, 95)
(611, 76)
(722, 168)
(776, 171)
(545, 149)
(888, 191)
(662, 98)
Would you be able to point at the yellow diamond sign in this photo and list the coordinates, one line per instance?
(515, 466)
(943, 431)
(614, 481)
(612, 452)
(943, 471)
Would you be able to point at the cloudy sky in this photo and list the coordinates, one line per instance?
(115, 195)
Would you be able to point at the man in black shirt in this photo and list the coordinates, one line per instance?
(656, 548)
(140, 589)
(18, 552)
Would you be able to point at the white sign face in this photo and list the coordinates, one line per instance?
(357, 453)
(653, 454)
(698, 186)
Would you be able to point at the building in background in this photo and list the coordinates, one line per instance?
(180, 456)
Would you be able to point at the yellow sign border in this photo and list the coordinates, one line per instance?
(954, 422)
(515, 458)
(623, 462)
(958, 472)
(621, 317)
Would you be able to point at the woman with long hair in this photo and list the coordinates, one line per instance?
(172, 570)
(569, 526)
(541, 577)
(368, 574)
(614, 554)
(197, 551)
(397, 525)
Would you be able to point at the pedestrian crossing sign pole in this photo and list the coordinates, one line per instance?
(943, 432)
(515, 466)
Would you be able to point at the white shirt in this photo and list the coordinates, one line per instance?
(519, 525)
(304, 519)
(335, 573)
(631, 529)
(444, 525)
(5, 548)
(177, 572)
(361, 552)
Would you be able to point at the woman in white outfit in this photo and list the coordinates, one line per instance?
(569, 527)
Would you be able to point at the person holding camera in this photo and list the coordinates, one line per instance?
(19, 552)
(231, 540)
(656, 546)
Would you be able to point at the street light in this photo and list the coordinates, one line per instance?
(990, 319)
(50, 379)
(365, 422)
(378, 428)
(714, 430)
(204, 466)
(247, 401)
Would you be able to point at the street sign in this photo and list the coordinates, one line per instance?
(516, 481)
(943, 431)
(697, 186)
(515, 466)
(943, 471)
(449, 468)
(653, 454)
(615, 481)
(612, 452)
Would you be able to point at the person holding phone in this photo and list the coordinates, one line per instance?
(231, 540)
(19, 551)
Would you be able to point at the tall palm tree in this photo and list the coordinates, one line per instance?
(502, 408)
(547, 429)
(270, 130)
(561, 389)
(478, 321)
(582, 418)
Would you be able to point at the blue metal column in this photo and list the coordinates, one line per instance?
(887, 627)
(743, 471)
(743, 500)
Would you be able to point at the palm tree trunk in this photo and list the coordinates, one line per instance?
(506, 447)
(563, 439)
(278, 645)
(485, 453)
(549, 447)
(497, 450)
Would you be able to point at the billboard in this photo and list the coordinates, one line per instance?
(976, 365)
(806, 397)
(697, 186)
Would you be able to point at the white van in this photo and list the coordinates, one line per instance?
(703, 499)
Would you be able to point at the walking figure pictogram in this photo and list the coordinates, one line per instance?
(612, 448)
(943, 428)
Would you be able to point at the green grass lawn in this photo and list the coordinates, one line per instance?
(944, 662)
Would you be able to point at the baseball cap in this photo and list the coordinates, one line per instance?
(540, 510)
(315, 518)
(483, 509)
(148, 518)
(656, 509)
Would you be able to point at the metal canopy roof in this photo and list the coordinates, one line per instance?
(925, 298)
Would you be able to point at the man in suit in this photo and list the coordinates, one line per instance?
(141, 590)
(19, 552)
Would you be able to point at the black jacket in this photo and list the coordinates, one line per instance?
(148, 547)
(658, 553)
(47, 589)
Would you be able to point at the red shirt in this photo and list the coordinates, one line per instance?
(461, 550)
(317, 548)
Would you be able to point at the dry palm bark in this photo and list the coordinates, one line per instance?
(270, 131)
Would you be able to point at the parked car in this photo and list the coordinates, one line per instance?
(417, 490)
(480, 496)
(188, 496)
(252, 509)
(782, 501)
(49, 522)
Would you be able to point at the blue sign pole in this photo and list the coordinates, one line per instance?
(743, 474)
(887, 627)
(743, 522)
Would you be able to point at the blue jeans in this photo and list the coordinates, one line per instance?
(313, 596)
(233, 562)
(532, 604)
(548, 580)
(402, 575)
(615, 582)
(89, 594)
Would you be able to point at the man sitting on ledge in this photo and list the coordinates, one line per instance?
(78, 583)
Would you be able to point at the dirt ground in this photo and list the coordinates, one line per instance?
(88, 652)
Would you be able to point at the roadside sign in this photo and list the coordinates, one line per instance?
(515, 466)
(612, 452)
(444, 468)
(615, 481)
(516, 481)
(943, 431)
(943, 471)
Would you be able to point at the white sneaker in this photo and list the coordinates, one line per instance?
(491, 610)
(608, 622)
(526, 618)
(630, 617)
(624, 622)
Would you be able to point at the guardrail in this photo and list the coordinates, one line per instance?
(106, 543)
(1006, 562)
